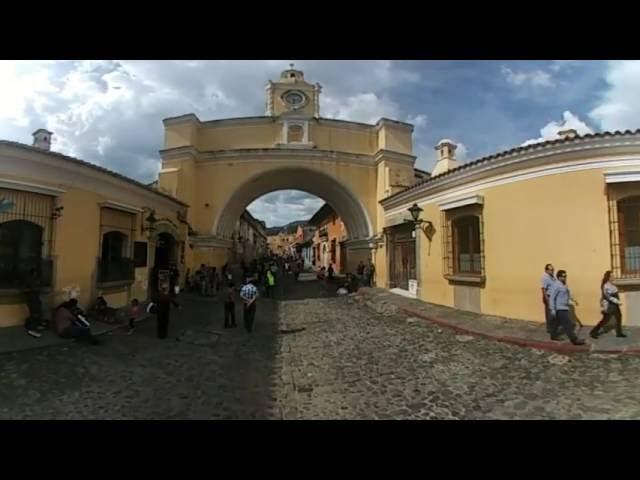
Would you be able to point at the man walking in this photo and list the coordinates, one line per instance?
(271, 284)
(559, 304)
(249, 294)
(547, 284)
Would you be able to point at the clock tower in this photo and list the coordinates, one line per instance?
(292, 96)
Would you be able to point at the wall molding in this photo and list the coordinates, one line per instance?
(39, 165)
(601, 162)
(461, 202)
(31, 187)
(516, 162)
(622, 176)
(121, 206)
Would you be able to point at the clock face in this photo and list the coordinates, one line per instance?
(294, 98)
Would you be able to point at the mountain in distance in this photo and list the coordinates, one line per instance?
(290, 227)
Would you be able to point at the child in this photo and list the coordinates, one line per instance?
(134, 314)
(230, 307)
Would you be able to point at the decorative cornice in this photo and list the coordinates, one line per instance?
(192, 118)
(622, 176)
(208, 241)
(81, 168)
(362, 244)
(382, 154)
(514, 160)
(387, 122)
(461, 202)
(31, 187)
(253, 154)
(121, 206)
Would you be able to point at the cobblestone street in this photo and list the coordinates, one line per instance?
(313, 358)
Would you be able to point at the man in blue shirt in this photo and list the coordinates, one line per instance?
(559, 304)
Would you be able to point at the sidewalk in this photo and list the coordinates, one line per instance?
(15, 339)
(516, 332)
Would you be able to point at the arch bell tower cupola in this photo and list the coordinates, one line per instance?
(295, 102)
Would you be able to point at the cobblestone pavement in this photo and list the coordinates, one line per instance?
(317, 358)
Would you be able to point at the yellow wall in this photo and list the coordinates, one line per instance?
(395, 138)
(559, 219)
(77, 245)
(180, 135)
(267, 132)
(76, 249)
(226, 136)
(334, 137)
(13, 313)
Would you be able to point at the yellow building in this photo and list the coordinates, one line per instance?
(249, 239)
(219, 167)
(492, 224)
(281, 242)
(84, 230)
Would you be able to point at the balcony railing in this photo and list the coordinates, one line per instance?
(15, 273)
(120, 270)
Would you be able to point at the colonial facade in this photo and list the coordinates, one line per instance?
(304, 244)
(249, 239)
(82, 230)
(489, 226)
(282, 242)
(328, 239)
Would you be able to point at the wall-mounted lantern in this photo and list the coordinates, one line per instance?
(149, 223)
(425, 225)
(57, 212)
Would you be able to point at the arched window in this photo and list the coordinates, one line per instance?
(466, 245)
(629, 235)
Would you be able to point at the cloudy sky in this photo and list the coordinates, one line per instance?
(110, 112)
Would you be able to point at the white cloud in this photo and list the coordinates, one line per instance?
(619, 107)
(551, 129)
(462, 152)
(535, 78)
(110, 112)
(284, 206)
(418, 121)
(362, 107)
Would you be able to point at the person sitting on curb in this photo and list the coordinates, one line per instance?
(68, 322)
(102, 312)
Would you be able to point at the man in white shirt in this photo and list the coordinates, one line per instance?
(249, 294)
(547, 284)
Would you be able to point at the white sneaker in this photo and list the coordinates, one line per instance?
(34, 334)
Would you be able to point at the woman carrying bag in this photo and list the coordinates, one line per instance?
(610, 305)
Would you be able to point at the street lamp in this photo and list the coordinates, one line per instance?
(415, 212)
(428, 229)
(149, 224)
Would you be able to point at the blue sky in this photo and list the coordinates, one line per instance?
(110, 112)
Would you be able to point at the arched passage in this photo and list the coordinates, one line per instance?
(342, 200)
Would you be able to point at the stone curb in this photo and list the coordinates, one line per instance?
(62, 341)
(561, 348)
